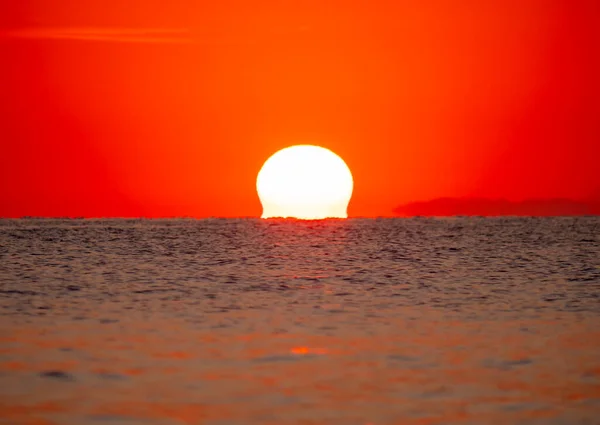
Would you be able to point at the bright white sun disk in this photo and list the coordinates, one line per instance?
(306, 182)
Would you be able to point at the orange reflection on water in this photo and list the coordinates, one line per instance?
(19, 414)
(427, 371)
(307, 350)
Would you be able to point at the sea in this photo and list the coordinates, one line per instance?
(248, 321)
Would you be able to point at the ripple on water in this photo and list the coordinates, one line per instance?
(359, 321)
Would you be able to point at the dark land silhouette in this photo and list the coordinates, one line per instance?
(499, 207)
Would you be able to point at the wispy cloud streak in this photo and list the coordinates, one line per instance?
(122, 35)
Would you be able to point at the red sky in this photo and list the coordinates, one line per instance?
(155, 108)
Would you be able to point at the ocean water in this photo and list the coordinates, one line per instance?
(248, 321)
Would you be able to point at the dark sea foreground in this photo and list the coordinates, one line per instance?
(361, 321)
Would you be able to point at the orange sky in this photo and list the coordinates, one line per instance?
(162, 108)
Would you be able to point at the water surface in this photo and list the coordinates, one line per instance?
(361, 321)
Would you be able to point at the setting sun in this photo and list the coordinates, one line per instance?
(306, 182)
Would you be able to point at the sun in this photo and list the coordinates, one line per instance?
(306, 182)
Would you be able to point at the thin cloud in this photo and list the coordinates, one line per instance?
(121, 35)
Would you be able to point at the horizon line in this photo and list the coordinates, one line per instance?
(248, 217)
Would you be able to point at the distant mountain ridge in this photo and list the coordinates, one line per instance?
(442, 207)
